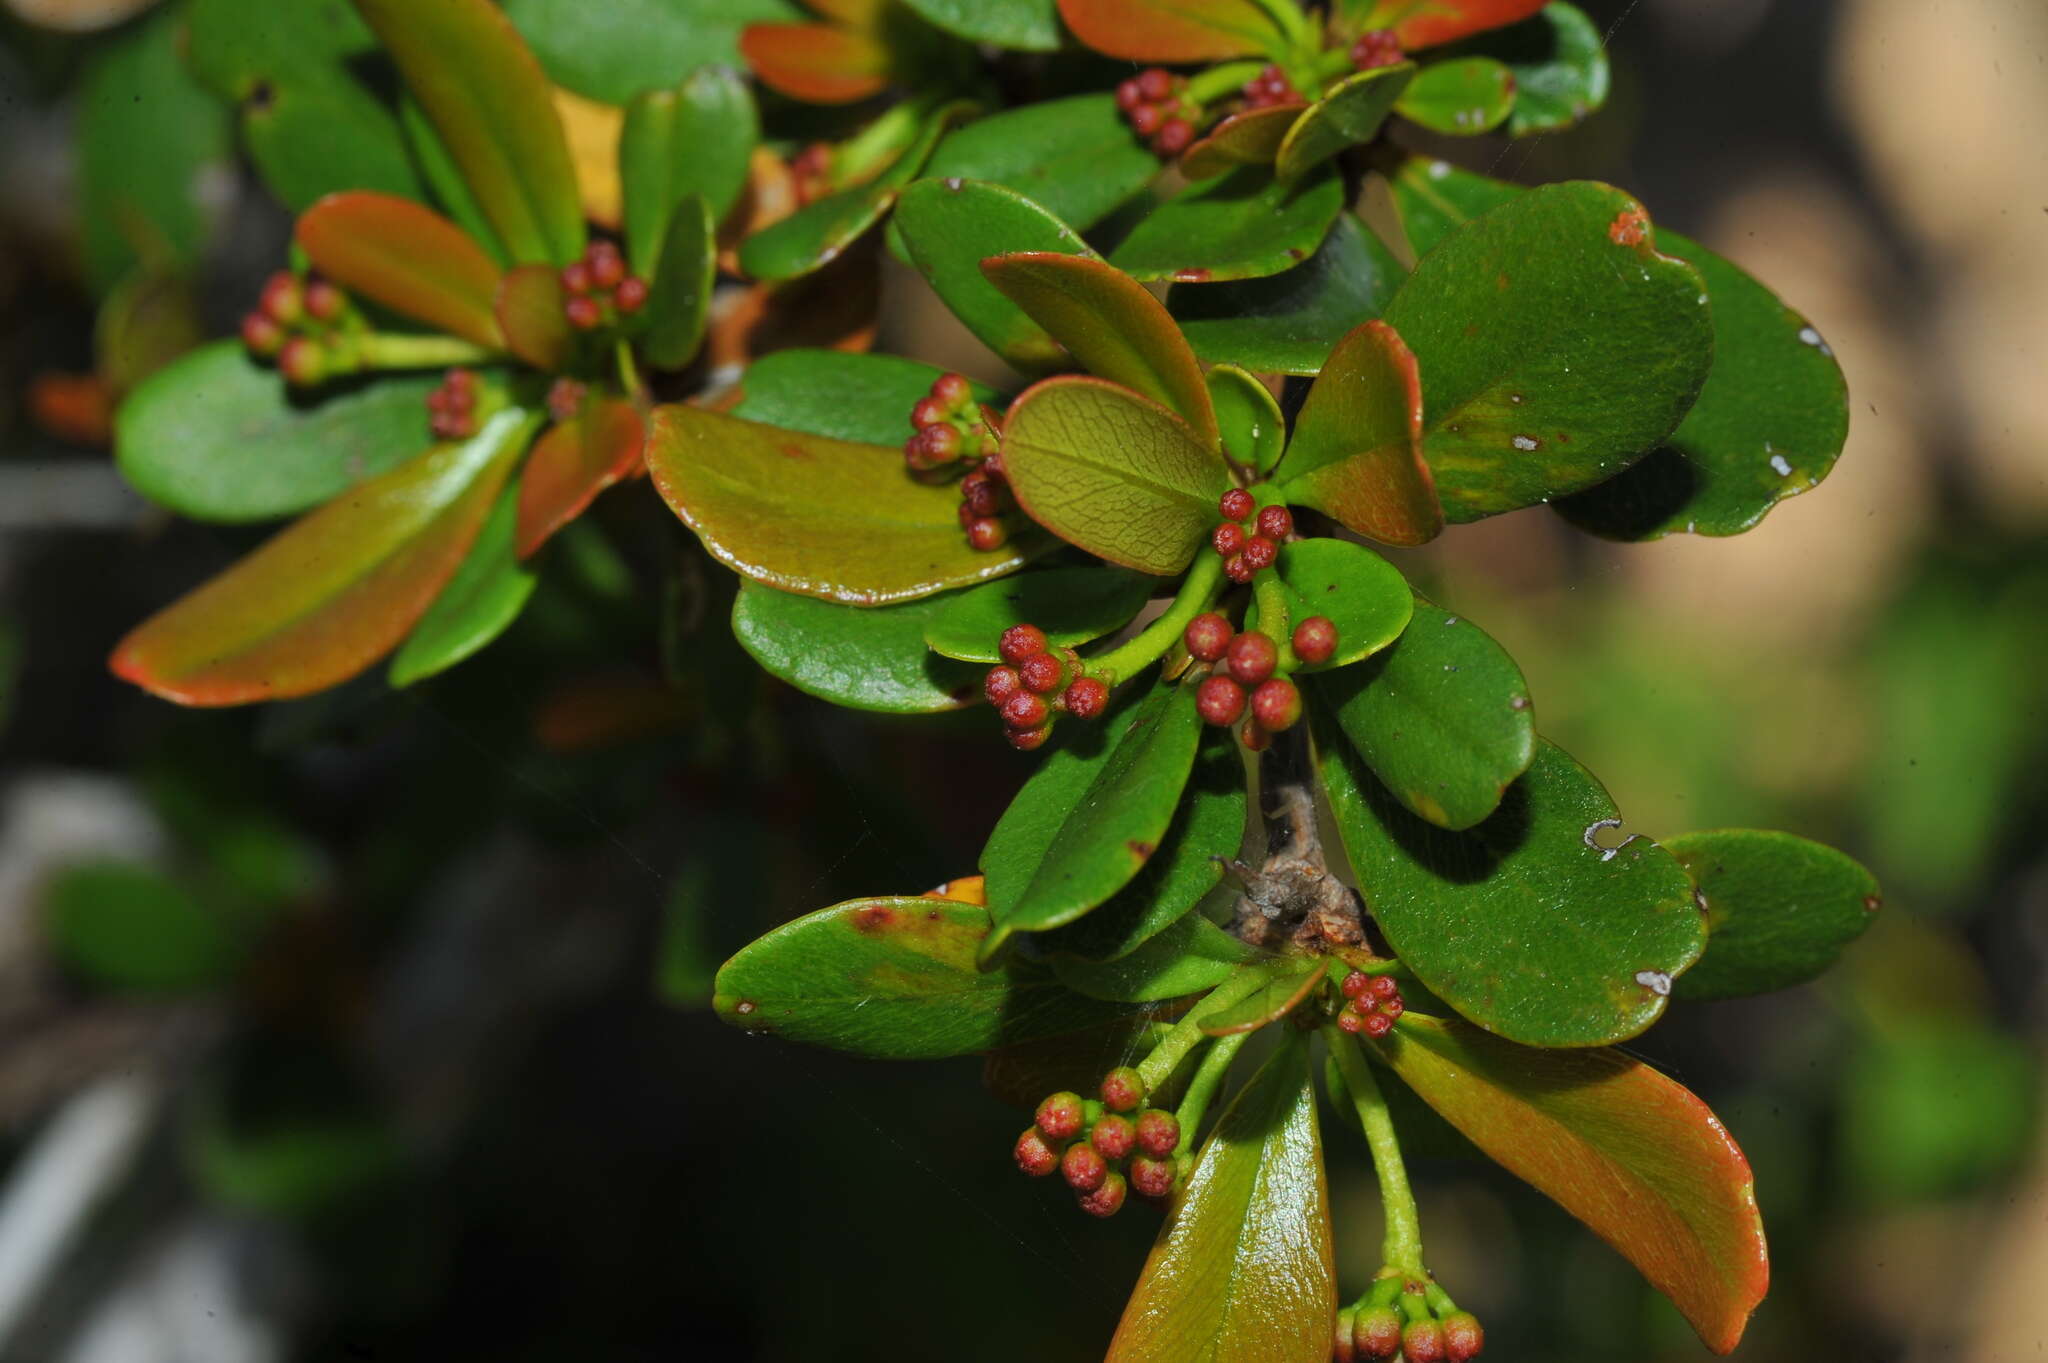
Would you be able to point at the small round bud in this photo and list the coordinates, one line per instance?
(576, 277)
(1276, 705)
(1060, 1116)
(1356, 984)
(1423, 1342)
(987, 534)
(1158, 1132)
(1147, 119)
(262, 335)
(932, 447)
(1174, 137)
(565, 398)
(1315, 640)
(1377, 1333)
(1106, 1200)
(1219, 701)
(1228, 538)
(583, 313)
(954, 391)
(1113, 1136)
(927, 413)
(1034, 1156)
(607, 267)
(1020, 642)
(1384, 986)
(1253, 737)
(1463, 1337)
(282, 299)
(631, 295)
(1251, 657)
(1377, 48)
(1236, 569)
(324, 302)
(1207, 636)
(1392, 1008)
(1087, 697)
(1025, 710)
(1376, 1025)
(1083, 1167)
(1043, 673)
(1028, 740)
(981, 490)
(1123, 1089)
(1151, 1177)
(1276, 522)
(1237, 504)
(1000, 684)
(1155, 83)
(1128, 95)
(1260, 553)
(302, 361)
(1351, 1021)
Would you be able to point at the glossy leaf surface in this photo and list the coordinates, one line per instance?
(337, 590)
(679, 302)
(1245, 225)
(622, 48)
(1091, 816)
(1442, 718)
(407, 257)
(1558, 346)
(1287, 323)
(1186, 957)
(218, 437)
(1639, 1159)
(1348, 116)
(1525, 923)
(1243, 1270)
(573, 462)
(814, 515)
(1250, 137)
(1112, 473)
(486, 97)
(1248, 416)
(528, 307)
(1466, 97)
(894, 978)
(1074, 157)
(817, 63)
(1111, 325)
(1359, 592)
(1779, 909)
(1559, 62)
(826, 392)
(1435, 198)
(1072, 606)
(1023, 25)
(693, 139)
(1356, 452)
(873, 659)
(1426, 23)
(1173, 30)
(479, 603)
(1294, 979)
(949, 226)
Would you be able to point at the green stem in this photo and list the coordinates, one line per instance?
(1146, 647)
(391, 350)
(1220, 81)
(1202, 1088)
(1156, 1068)
(1328, 66)
(629, 373)
(1403, 1247)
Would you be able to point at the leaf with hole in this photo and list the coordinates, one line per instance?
(1356, 452)
(1287, 323)
(1244, 225)
(1072, 606)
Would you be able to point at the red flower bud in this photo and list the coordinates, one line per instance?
(1034, 1156)
(927, 413)
(1083, 1167)
(1423, 1342)
(1174, 137)
(607, 267)
(1237, 504)
(1158, 1133)
(1207, 636)
(1086, 697)
(1219, 701)
(1315, 640)
(261, 335)
(953, 391)
(302, 361)
(1147, 119)
(1236, 569)
(583, 313)
(1123, 1089)
(1228, 538)
(1463, 1337)
(576, 277)
(1020, 642)
(1251, 657)
(1028, 740)
(1113, 1136)
(987, 534)
(282, 299)
(1276, 522)
(1377, 1333)
(1128, 95)
(1025, 710)
(1060, 1116)
(631, 295)
(1276, 705)
(1155, 83)
(1043, 673)
(1260, 553)
(1151, 1177)
(324, 302)
(1001, 684)
(1106, 1200)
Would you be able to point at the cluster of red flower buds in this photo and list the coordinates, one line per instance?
(953, 431)
(1372, 1004)
(1375, 49)
(1104, 1149)
(600, 288)
(451, 408)
(1156, 105)
(810, 173)
(1405, 1320)
(1271, 89)
(1244, 678)
(565, 398)
(305, 325)
(1246, 553)
(1033, 683)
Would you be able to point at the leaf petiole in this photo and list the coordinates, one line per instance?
(1202, 1088)
(392, 350)
(1140, 651)
(1156, 1068)
(1402, 1249)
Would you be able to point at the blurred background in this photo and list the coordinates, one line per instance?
(373, 1026)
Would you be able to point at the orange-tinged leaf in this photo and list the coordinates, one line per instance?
(1356, 453)
(1112, 325)
(334, 591)
(407, 257)
(965, 889)
(850, 13)
(1427, 23)
(1174, 30)
(528, 306)
(1639, 1159)
(816, 63)
(1243, 139)
(1242, 1271)
(574, 462)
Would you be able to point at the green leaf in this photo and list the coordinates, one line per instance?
(317, 135)
(1072, 606)
(679, 303)
(1243, 1269)
(1779, 909)
(621, 48)
(486, 97)
(1768, 425)
(406, 257)
(479, 603)
(1436, 198)
(1442, 717)
(1636, 1157)
(1359, 592)
(813, 515)
(1207, 830)
(335, 591)
(949, 226)
(1294, 979)
(693, 139)
(1350, 115)
(1465, 96)
(1174, 30)
(1248, 417)
(1023, 25)
(218, 437)
(1111, 472)
(1244, 225)
(1933, 1107)
(233, 44)
(1525, 922)
(1558, 345)
(529, 311)
(1112, 327)
(136, 930)
(1250, 137)
(872, 659)
(1286, 323)
(444, 178)
(895, 979)
(849, 397)
(1091, 816)
(1559, 63)
(152, 144)
(1188, 956)
(1356, 453)
(1074, 157)
(577, 459)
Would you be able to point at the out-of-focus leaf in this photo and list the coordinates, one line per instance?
(233, 44)
(814, 515)
(330, 595)
(1935, 1107)
(1022, 25)
(1636, 1157)
(1287, 323)
(948, 227)
(406, 257)
(1111, 472)
(318, 135)
(1349, 115)
(1356, 452)
(444, 178)
(488, 100)
(1174, 30)
(132, 929)
(575, 461)
(1359, 592)
(851, 397)
(1251, 137)
(873, 659)
(694, 139)
(1427, 23)
(218, 437)
(1466, 96)
(622, 48)
(479, 603)
(1525, 923)
(1244, 225)
(1187, 956)
(1779, 909)
(680, 301)
(149, 321)
(1074, 157)
(1248, 417)
(896, 979)
(287, 1131)
(1560, 67)
(1243, 1270)
(1435, 198)
(1072, 606)
(528, 306)
(817, 63)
